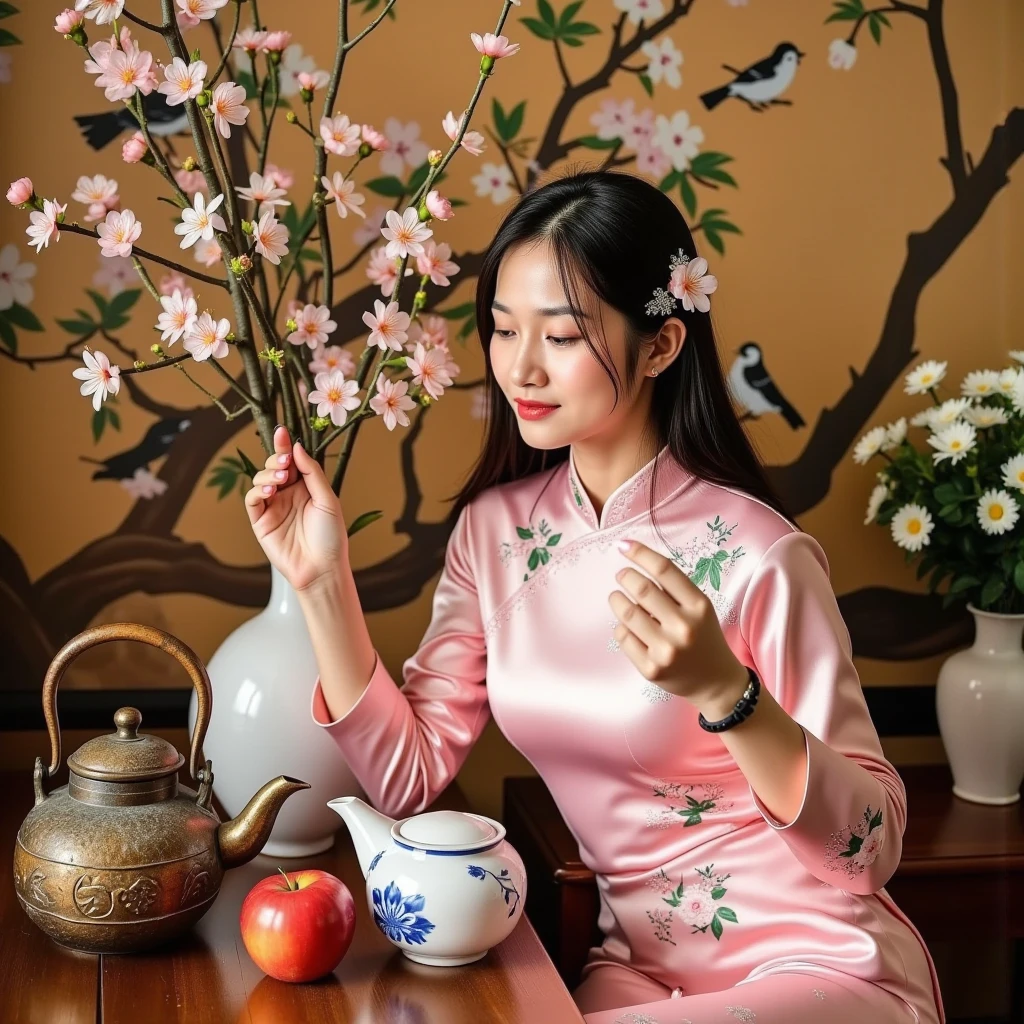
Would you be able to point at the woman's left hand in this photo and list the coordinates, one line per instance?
(668, 628)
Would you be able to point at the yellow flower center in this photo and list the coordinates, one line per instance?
(914, 526)
(995, 511)
(334, 395)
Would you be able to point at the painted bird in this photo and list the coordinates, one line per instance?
(159, 438)
(754, 389)
(762, 83)
(100, 130)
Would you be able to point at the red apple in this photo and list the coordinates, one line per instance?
(298, 925)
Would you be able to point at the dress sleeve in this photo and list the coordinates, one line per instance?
(849, 828)
(405, 745)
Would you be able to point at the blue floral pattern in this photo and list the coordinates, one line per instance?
(397, 915)
(376, 860)
(508, 888)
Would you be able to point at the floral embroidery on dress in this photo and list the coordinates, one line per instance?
(534, 543)
(635, 1018)
(696, 903)
(697, 799)
(706, 562)
(743, 1013)
(654, 693)
(818, 993)
(856, 846)
(613, 644)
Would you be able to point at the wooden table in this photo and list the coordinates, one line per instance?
(209, 976)
(947, 842)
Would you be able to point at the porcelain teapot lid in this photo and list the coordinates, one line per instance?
(450, 830)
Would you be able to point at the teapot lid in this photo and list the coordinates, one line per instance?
(456, 829)
(125, 756)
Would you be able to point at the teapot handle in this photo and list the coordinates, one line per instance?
(144, 634)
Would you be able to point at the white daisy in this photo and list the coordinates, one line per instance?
(878, 495)
(986, 415)
(870, 444)
(1008, 379)
(895, 434)
(948, 412)
(911, 527)
(997, 511)
(980, 383)
(923, 418)
(953, 442)
(1017, 393)
(1017, 354)
(924, 377)
(1013, 472)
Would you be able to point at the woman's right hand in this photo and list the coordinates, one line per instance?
(296, 516)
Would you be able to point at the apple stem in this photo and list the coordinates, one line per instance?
(291, 887)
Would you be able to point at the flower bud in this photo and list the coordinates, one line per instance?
(291, 324)
(424, 399)
(438, 205)
(189, 164)
(67, 21)
(486, 65)
(274, 56)
(134, 148)
(434, 157)
(319, 199)
(21, 192)
(157, 350)
(273, 355)
(230, 336)
(291, 117)
(204, 98)
(319, 422)
(241, 265)
(420, 297)
(139, 364)
(423, 212)
(247, 227)
(306, 94)
(365, 149)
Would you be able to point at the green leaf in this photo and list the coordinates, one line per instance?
(6, 9)
(100, 418)
(538, 28)
(456, 312)
(962, 583)
(689, 196)
(709, 160)
(714, 241)
(883, 19)
(717, 893)
(417, 177)
(364, 520)
(993, 589)
(77, 326)
(554, 539)
(389, 186)
(593, 142)
(8, 38)
(534, 560)
(648, 85)
(245, 79)
(515, 119)
(569, 13)
(716, 927)
(876, 28)
(1018, 576)
(247, 464)
(524, 532)
(579, 28)
(720, 225)
(547, 12)
(121, 303)
(467, 328)
(727, 914)
(947, 494)
(228, 472)
(23, 317)
(7, 336)
(846, 10)
(669, 181)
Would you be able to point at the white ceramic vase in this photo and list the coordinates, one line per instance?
(980, 702)
(262, 677)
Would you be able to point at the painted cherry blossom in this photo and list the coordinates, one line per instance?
(664, 59)
(228, 106)
(334, 396)
(652, 160)
(388, 326)
(313, 325)
(640, 131)
(200, 220)
(841, 55)
(293, 63)
(406, 148)
(614, 118)
(14, 278)
(179, 316)
(343, 192)
(44, 224)
(264, 190)
(369, 229)
(340, 135)
(116, 274)
(429, 369)
(282, 178)
(692, 284)
(143, 485)
(494, 46)
(641, 10)
(99, 193)
(333, 357)
(677, 138)
(435, 260)
(271, 238)
(118, 233)
(103, 11)
(405, 233)
(98, 376)
(182, 81)
(494, 180)
(382, 270)
(169, 282)
(392, 401)
(207, 337)
(191, 12)
(473, 142)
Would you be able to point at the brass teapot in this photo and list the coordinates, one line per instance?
(123, 858)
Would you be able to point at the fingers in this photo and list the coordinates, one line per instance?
(316, 483)
(281, 459)
(255, 502)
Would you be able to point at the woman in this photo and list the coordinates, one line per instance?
(624, 593)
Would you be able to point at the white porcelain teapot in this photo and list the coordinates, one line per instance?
(443, 886)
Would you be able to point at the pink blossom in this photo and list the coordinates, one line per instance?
(405, 147)
(428, 367)
(104, 11)
(312, 80)
(431, 330)
(294, 308)
(20, 192)
(142, 485)
(100, 378)
(435, 260)
(282, 178)
(118, 233)
(200, 221)
(44, 224)
(312, 326)
(183, 81)
(67, 21)
(207, 338)
(250, 40)
(99, 193)
(190, 181)
(374, 139)
(438, 206)
(207, 252)
(392, 401)
(127, 71)
(170, 283)
(381, 270)
(271, 238)
(334, 396)
(494, 46)
(115, 274)
(370, 227)
(193, 11)
(388, 326)
(651, 159)
(179, 315)
(697, 907)
(228, 106)
(339, 135)
(276, 41)
(134, 148)
(333, 357)
(343, 193)
(692, 284)
(405, 233)
(14, 278)
(472, 142)
(640, 131)
(264, 191)
(614, 118)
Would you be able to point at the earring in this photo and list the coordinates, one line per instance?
(654, 372)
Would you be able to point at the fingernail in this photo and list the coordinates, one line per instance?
(282, 460)
(624, 545)
(280, 475)
(277, 427)
(299, 443)
(267, 488)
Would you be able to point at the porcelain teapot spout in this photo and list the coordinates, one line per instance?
(370, 830)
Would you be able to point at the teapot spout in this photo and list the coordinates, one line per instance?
(370, 830)
(241, 838)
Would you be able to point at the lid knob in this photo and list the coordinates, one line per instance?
(127, 721)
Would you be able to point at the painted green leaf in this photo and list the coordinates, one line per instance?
(669, 181)
(467, 328)
(547, 13)
(7, 336)
(22, 317)
(554, 539)
(876, 28)
(648, 85)
(121, 303)
(538, 28)
(594, 142)
(456, 312)
(247, 464)
(579, 28)
(389, 186)
(569, 13)
(8, 38)
(364, 520)
(419, 176)
(534, 559)
(717, 893)
(689, 196)
(6, 9)
(524, 532)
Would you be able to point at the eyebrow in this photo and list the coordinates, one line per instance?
(548, 310)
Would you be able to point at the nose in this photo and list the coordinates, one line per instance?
(525, 368)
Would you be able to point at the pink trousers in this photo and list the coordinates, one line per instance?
(611, 994)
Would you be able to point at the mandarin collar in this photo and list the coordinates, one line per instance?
(630, 498)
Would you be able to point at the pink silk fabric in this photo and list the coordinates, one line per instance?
(701, 888)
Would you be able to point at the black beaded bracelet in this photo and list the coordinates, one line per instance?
(743, 708)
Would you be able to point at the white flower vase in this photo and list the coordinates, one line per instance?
(980, 702)
(262, 677)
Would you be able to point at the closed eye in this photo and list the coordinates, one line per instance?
(558, 342)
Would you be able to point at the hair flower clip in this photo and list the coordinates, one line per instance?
(689, 283)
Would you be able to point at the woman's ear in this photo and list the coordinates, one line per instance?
(667, 344)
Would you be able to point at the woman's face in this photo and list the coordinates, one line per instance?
(538, 353)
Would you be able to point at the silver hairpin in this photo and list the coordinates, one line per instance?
(664, 302)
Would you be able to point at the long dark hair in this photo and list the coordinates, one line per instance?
(614, 234)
